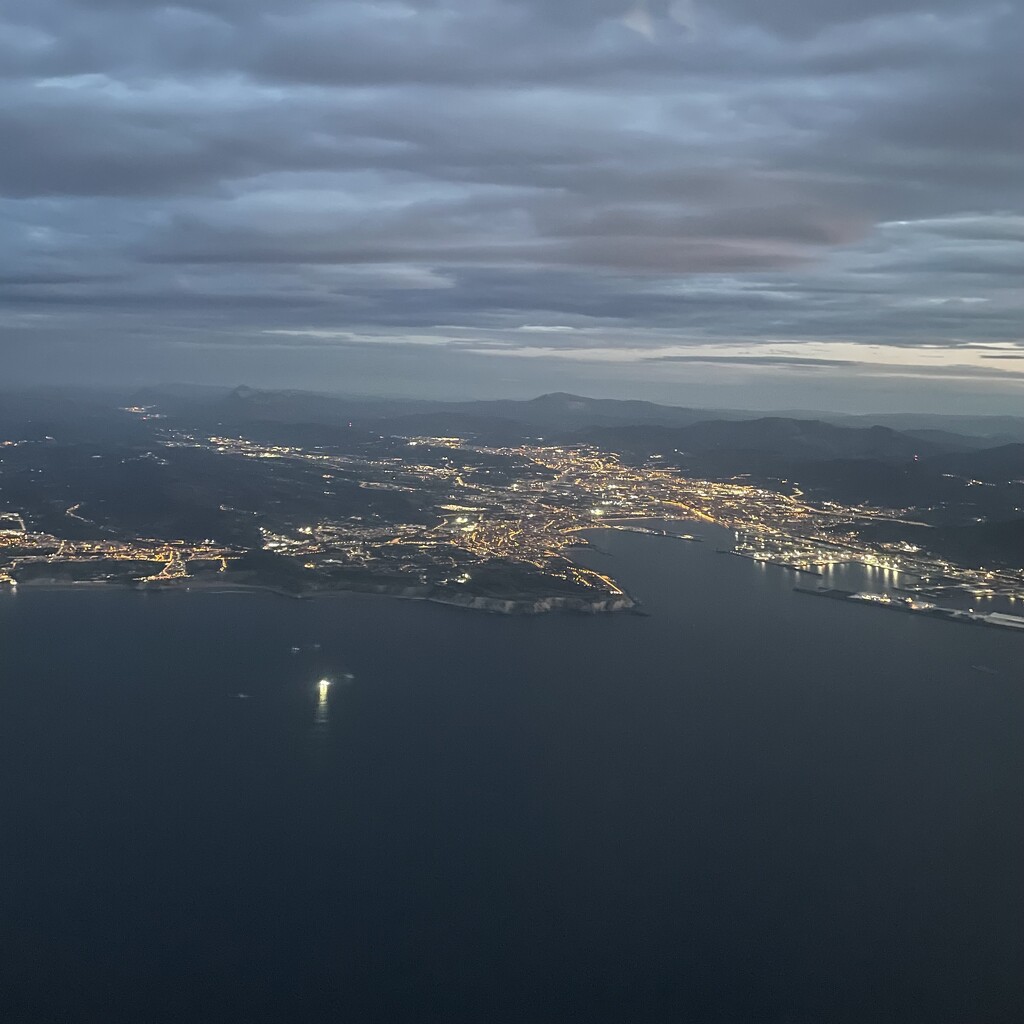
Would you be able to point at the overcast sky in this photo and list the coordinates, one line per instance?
(760, 203)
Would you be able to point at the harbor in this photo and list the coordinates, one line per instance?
(913, 606)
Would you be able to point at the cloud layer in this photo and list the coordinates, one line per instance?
(642, 175)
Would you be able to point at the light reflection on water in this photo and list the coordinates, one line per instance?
(321, 717)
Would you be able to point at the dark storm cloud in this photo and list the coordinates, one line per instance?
(647, 172)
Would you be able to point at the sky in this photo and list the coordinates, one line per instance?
(802, 204)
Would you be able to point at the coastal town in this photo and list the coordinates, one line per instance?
(497, 527)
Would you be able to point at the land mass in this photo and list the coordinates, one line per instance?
(308, 495)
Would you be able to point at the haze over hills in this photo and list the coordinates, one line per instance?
(770, 435)
(638, 427)
(850, 459)
(984, 427)
(559, 411)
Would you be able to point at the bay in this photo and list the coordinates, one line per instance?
(747, 805)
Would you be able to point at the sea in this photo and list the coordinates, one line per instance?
(745, 805)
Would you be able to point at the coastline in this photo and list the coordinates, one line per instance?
(907, 607)
(493, 605)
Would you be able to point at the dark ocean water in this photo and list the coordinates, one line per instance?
(752, 805)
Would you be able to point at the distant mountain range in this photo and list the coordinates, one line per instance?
(553, 412)
(961, 475)
(796, 439)
(558, 412)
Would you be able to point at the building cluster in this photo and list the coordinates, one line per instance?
(527, 505)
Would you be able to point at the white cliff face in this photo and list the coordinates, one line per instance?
(494, 605)
(512, 606)
(541, 605)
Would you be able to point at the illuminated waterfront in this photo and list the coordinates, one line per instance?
(495, 527)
